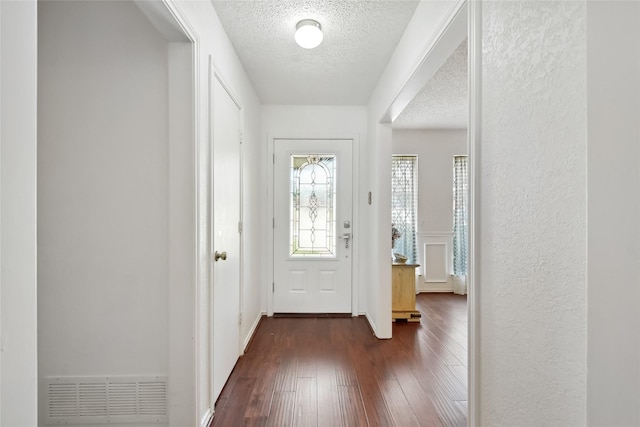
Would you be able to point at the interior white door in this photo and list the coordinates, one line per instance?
(312, 226)
(226, 237)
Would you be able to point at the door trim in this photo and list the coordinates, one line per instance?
(355, 241)
(474, 133)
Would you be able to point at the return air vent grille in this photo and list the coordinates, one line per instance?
(98, 400)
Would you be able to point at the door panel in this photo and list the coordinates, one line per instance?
(226, 238)
(312, 226)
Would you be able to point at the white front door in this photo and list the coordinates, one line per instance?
(226, 237)
(312, 226)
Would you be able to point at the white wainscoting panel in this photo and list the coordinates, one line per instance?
(435, 261)
(435, 252)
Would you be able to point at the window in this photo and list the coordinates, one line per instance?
(313, 206)
(460, 190)
(404, 204)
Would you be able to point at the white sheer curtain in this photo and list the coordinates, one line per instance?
(404, 204)
(460, 215)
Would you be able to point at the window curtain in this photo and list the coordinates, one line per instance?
(460, 238)
(404, 204)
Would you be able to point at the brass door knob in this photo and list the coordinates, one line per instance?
(220, 255)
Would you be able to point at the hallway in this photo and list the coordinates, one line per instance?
(334, 372)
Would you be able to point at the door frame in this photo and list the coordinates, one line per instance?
(355, 221)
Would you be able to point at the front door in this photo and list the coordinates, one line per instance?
(312, 226)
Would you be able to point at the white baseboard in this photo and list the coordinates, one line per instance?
(206, 420)
(433, 287)
(252, 331)
(372, 325)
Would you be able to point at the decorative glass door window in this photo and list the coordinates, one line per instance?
(313, 206)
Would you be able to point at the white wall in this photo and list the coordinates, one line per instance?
(253, 208)
(182, 236)
(613, 76)
(103, 195)
(532, 206)
(320, 120)
(379, 220)
(295, 121)
(18, 350)
(435, 149)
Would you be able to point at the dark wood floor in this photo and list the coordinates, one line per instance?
(334, 372)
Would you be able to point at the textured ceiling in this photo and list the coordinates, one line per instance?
(359, 38)
(442, 103)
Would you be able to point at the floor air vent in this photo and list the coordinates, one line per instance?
(99, 400)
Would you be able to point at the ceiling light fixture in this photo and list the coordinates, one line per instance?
(308, 33)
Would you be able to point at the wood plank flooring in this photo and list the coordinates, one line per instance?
(333, 372)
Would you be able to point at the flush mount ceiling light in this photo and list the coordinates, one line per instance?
(308, 33)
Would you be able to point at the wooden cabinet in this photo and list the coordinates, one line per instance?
(403, 293)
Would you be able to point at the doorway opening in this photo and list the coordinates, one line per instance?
(464, 24)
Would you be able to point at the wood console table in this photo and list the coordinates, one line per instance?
(403, 293)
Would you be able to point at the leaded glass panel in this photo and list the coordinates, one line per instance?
(460, 209)
(313, 206)
(404, 205)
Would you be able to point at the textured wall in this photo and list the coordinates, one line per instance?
(532, 205)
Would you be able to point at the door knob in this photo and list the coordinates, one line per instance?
(220, 255)
(346, 237)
